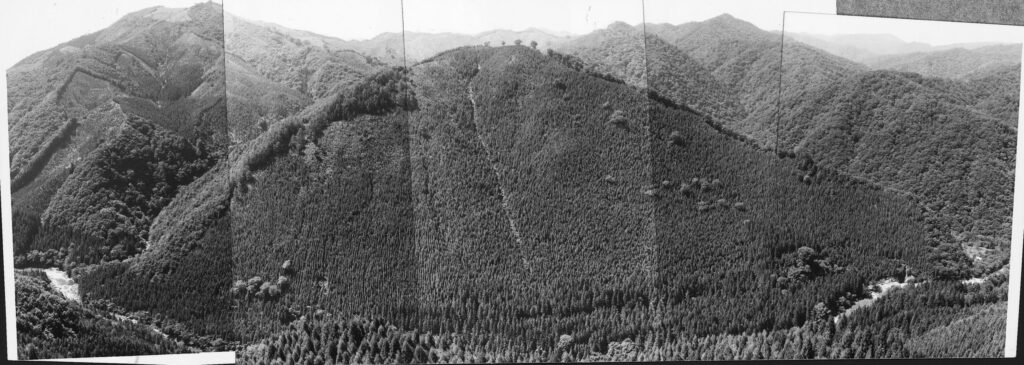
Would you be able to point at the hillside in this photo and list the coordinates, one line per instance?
(131, 120)
(622, 52)
(122, 119)
(617, 50)
(745, 60)
(997, 93)
(911, 134)
(567, 201)
(274, 72)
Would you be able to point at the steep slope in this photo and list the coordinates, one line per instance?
(912, 135)
(745, 59)
(276, 79)
(106, 128)
(327, 192)
(315, 66)
(997, 92)
(682, 79)
(572, 172)
(141, 118)
(617, 50)
(542, 197)
(958, 63)
(274, 71)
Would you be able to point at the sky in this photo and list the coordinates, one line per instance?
(560, 16)
(344, 19)
(52, 22)
(935, 33)
(765, 14)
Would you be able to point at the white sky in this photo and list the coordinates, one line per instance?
(765, 14)
(344, 19)
(935, 33)
(52, 22)
(475, 16)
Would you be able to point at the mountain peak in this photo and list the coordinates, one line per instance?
(621, 27)
(730, 21)
(724, 17)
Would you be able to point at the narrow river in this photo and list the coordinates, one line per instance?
(885, 286)
(64, 285)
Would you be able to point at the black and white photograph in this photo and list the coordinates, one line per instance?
(507, 181)
(924, 113)
(318, 181)
(110, 120)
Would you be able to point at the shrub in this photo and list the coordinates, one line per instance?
(618, 118)
(676, 138)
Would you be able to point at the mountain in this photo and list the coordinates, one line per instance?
(622, 52)
(563, 197)
(277, 79)
(107, 127)
(918, 136)
(996, 92)
(385, 47)
(617, 50)
(958, 63)
(745, 61)
(834, 131)
(682, 79)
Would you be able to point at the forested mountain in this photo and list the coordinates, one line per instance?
(532, 195)
(912, 134)
(997, 92)
(617, 50)
(106, 128)
(274, 72)
(278, 82)
(745, 60)
(107, 131)
(982, 101)
(958, 63)
(938, 126)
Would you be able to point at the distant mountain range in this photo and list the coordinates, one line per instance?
(864, 47)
